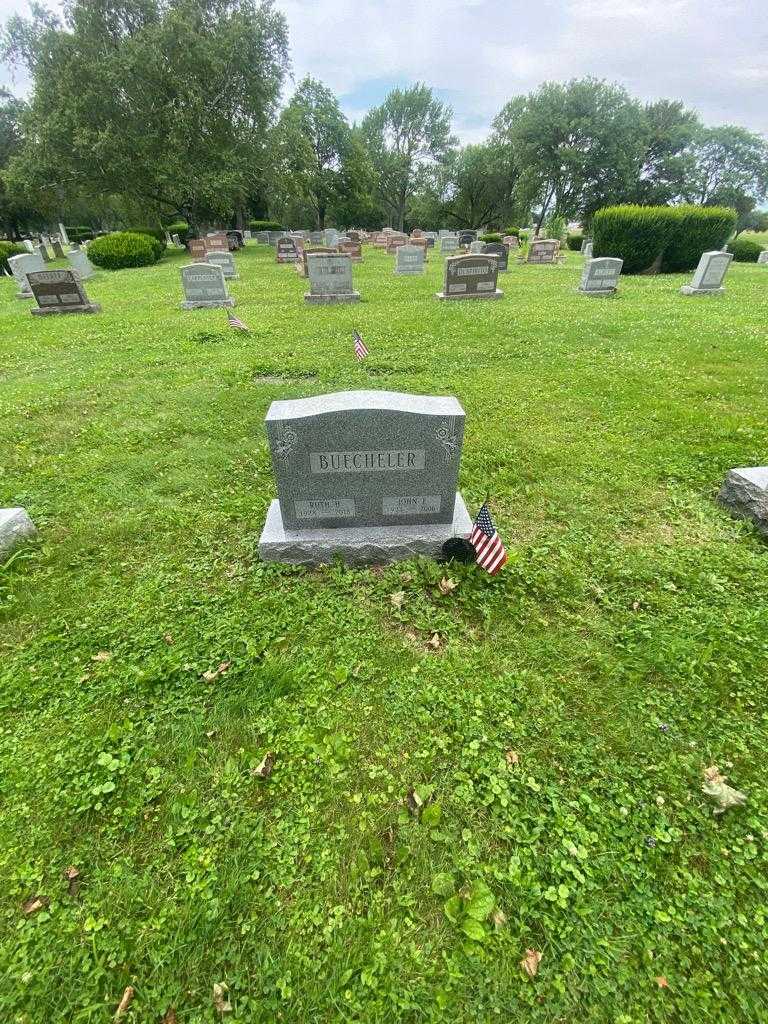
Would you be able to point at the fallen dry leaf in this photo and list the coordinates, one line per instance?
(396, 599)
(662, 982)
(221, 1001)
(725, 796)
(72, 877)
(499, 919)
(170, 1016)
(125, 1002)
(413, 802)
(168, 638)
(407, 577)
(31, 905)
(530, 962)
(264, 769)
(213, 674)
(434, 642)
(512, 757)
(712, 774)
(447, 586)
(101, 656)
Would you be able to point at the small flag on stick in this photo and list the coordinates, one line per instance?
(360, 350)
(236, 323)
(491, 553)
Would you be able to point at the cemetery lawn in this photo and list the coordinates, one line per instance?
(557, 727)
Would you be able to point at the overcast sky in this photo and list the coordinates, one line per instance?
(476, 54)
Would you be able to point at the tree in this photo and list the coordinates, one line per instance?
(167, 101)
(578, 145)
(666, 161)
(724, 160)
(406, 136)
(314, 140)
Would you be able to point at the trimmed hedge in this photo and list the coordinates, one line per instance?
(660, 239)
(9, 249)
(123, 249)
(81, 233)
(574, 241)
(264, 225)
(745, 250)
(156, 234)
(180, 228)
(490, 237)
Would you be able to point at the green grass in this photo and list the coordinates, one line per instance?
(601, 430)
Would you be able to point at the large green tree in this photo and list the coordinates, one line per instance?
(578, 145)
(727, 160)
(406, 137)
(666, 161)
(168, 101)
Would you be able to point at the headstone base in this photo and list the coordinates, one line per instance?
(24, 295)
(216, 304)
(331, 300)
(15, 528)
(688, 289)
(596, 291)
(498, 294)
(362, 545)
(92, 307)
(745, 494)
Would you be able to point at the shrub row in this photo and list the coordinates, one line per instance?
(492, 236)
(9, 249)
(660, 239)
(80, 233)
(745, 250)
(575, 238)
(180, 228)
(124, 249)
(264, 225)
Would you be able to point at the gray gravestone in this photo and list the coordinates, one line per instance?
(58, 252)
(500, 252)
(175, 239)
(477, 247)
(601, 276)
(587, 251)
(370, 476)
(29, 245)
(80, 263)
(317, 237)
(708, 276)
(59, 291)
(15, 528)
(63, 234)
(285, 250)
(584, 243)
(745, 494)
(543, 250)
(331, 237)
(470, 277)
(22, 265)
(226, 261)
(262, 237)
(449, 243)
(762, 259)
(274, 236)
(330, 279)
(42, 251)
(511, 241)
(204, 287)
(409, 259)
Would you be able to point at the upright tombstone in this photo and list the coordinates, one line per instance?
(58, 252)
(355, 236)
(370, 476)
(353, 249)
(21, 266)
(274, 236)
(762, 259)
(431, 237)
(42, 251)
(745, 494)
(708, 276)
(417, 233)
(28, 244)
(330, 279)
(511, 241)
(204, 287)
(473, 276)
(584, 243)
(500, 252)
(226, 261)
(80, 263)
(587, 250)
(197, 248)
(176, 240)
(477, 246)
(301, 264)
(285, 250)
(543, 250)
(59, 291)
(466, 238)
(601, 276)
(317, 237)
(216, 242)
(449, 243)
(409, 259)
(247, 234)
(63, 234)
(395, 239)
(330, 237)
(262, 237)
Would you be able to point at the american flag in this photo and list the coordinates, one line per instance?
(491, 553)
(360, 350)
(236, 323)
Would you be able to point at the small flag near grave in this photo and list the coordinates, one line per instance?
(360, 350)
(491, 553)
(236, 323)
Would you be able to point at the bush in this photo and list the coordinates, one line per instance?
(123, 249)
(81, 233)
(575, 238)
(510, 231)
(180, 228)
(264, 225)
(745, 250)
(666, 239)
(9, 249)
(156, 234)
(491, 237)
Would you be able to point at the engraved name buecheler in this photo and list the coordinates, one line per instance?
(395, 460)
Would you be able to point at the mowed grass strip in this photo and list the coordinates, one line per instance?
(149, 661)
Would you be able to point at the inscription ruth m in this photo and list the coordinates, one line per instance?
(393, 461)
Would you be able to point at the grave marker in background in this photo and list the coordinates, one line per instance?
(22, 265)
(708, 276)
(226, 261)
(500, 252)
(370, 476)
(330, 279)
(80, 263)
(601, 276)
(409, 259)
(285, 251)
(543, 250)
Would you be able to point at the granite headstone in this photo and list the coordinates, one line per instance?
(409, 259)
(601, 276)
(708, 276)
(80, 263)
(330, 279)
(59, 291)
(473, 276)
(226, 261)
(204, 287)
(22, 265)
